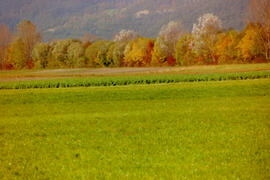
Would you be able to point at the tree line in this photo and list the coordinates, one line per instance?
(208, 43)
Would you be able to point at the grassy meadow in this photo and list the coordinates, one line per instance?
(217, 129)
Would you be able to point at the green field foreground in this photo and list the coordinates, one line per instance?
(198, 130)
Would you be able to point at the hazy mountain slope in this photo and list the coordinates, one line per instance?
(66, 18)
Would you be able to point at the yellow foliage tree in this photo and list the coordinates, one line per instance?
(139, 52)
(226, 47)
(249, 46)
(159, 54)
(17, 58)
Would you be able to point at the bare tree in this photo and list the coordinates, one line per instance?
(89, 37)
(169, 36)
(5, 38)
(205, 34)
(260, 14)
(125, 35)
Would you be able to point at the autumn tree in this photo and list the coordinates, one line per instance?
(115, 53)
(27, 32)
(128, 55)
(101, 57)
(96, 53)
(250, 45)
(41, 55)
(205, 36)
(59, 52)
(139, 52)
(260, 12)
(5, 39)
(165, 44)
(16, 55)
(183, 52)
(170, 34)
(160, 54)
(65, 56)
(226, 47)
(75, 54)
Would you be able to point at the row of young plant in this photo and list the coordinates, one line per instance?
(208, 43)
(130, 80)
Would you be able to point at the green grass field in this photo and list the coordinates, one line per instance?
(190, 130)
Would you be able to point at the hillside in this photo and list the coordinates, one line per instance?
(73, 18)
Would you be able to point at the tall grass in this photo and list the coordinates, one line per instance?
(128, 80)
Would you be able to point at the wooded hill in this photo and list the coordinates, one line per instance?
(73, 18)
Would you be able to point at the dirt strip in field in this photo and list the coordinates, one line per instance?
(103, 72)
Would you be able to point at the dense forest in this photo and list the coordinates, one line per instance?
(104, 18)
(207, 43)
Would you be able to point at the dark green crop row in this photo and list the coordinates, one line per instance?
(115, 81)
